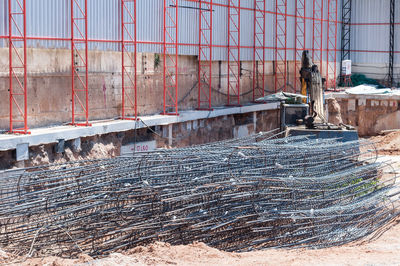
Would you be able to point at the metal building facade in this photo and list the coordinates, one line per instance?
(51, 18)
(370, 31)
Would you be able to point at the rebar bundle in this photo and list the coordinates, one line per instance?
(238, 195)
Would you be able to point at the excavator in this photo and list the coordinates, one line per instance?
(312, 86)
(315, 123)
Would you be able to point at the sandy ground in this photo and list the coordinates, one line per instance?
(388, 143)
(383, 250)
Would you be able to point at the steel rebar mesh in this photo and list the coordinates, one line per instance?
(237, 195)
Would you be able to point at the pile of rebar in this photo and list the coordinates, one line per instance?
(238, 195)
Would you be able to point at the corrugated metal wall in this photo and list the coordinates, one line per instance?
(372, 37)
(50, 18)
(47, 18)
(3, 22)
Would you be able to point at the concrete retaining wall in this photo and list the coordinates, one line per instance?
(369, 113)
(49, 85)
(198, 131)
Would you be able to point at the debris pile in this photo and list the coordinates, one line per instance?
(245, 194)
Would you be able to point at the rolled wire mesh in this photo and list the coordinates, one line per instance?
(238, 195)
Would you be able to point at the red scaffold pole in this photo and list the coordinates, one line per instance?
(300, 41)
(170, 70)
(18, 96)
(234, 64)
(259, 50)
(280, 45)
(205, 55)
(79, 58)
(129, 59)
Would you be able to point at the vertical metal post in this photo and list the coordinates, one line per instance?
(391, 43)
(72, 63)
(331, 45)
(129, 59)
(205, 55)
(345, 37)
(259, 50)
(234, 65)
(280, 45)
(170, 70)
(79, 45)
(300, 40)
(318, 26)
(18, 96)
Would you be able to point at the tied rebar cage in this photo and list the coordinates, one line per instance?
(79, 60)
(280, 66)
(17, 67)
(243, 194)
(234, 63)
(170, 70)
(205, 55)
(129, 59)
(259, 50)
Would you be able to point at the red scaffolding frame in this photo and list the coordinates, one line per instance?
(234, 64)
(129, 60)
(79, 46)
(318, 26)
(259, 50)
(18, 67)
(300, 41)
(79, 58)
(331, 44)
(170, 71)
(280, 66)
(205, 55)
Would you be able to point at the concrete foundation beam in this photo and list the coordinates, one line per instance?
(42, 136)
(22, 152)
(76, 145)
(60, 147)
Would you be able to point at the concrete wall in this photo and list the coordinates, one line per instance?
(49, 85)
(369, 114)
(188, 133)
(220, 128)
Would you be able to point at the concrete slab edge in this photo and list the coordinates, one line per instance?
(49, 135)
(343, 95)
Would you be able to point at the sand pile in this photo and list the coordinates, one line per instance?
(388, 143)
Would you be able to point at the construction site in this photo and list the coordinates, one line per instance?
(199, 132)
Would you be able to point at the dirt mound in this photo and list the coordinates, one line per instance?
(388, 143)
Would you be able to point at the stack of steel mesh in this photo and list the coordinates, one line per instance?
(238, 195)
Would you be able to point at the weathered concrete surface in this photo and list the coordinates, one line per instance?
(53, 134)
(388, 121)
(49, 85)
(370, 114)
(184, 132)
